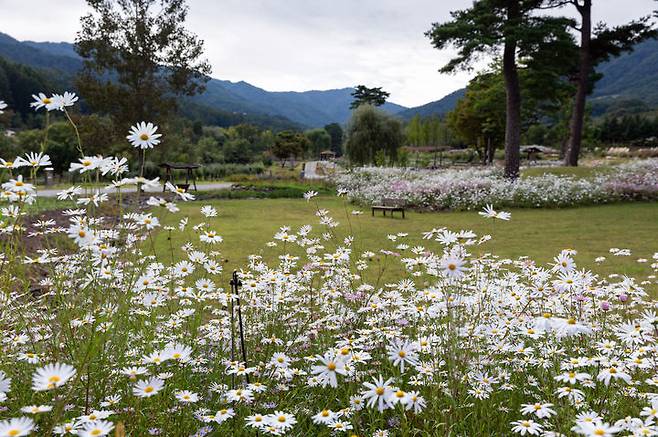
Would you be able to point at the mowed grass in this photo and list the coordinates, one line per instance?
(247, 225)
(579, 172)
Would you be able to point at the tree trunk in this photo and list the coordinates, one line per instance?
(513, 91)
(491, 151)
(578, 115)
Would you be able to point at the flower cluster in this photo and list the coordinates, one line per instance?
(129, 323)
(475, 188)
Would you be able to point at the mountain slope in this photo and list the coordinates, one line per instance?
(437, 108)
(43, 55)
(308, 108)
(629, 83)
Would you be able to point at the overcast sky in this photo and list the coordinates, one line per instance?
(299, 45)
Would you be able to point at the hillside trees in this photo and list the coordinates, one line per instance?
(289, 144)
(18, 83)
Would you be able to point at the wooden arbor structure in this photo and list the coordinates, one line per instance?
(189, 175)
(327, 155)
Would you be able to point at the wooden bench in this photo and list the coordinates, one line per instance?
(391, 205)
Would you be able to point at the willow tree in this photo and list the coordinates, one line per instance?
(513, 27)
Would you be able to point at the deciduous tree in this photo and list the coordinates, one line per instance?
(371, 130)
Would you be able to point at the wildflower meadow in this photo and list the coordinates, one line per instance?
(105, 333)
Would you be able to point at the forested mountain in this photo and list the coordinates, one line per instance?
(310, 108)
(629, 82)
(438, 107)
(223, 99)
(19, 82)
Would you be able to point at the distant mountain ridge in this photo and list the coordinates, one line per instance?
(438, 107)
(307, 108)
(630, 77)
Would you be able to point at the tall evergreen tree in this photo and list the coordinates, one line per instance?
(138, 57)
(597, 44)
(513, 25)
(368, 96)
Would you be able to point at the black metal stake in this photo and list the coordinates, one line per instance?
(236, 283)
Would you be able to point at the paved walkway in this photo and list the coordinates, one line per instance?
(202, 187)
(311, 169)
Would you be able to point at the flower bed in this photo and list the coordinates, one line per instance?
(117, 337)
(474, 188)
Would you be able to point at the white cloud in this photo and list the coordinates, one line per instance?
(306, 44)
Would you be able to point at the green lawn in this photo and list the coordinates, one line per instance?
(580, 172)
(247, 225)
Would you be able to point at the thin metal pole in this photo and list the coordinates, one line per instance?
(236, 285)
(232, 334)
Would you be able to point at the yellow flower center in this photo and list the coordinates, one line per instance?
(143, 137)
(379, 391)
(452, 267)
(148, 389)
(331, 366)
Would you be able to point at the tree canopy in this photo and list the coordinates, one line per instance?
(372, 131)
(513, 26)
(368, 96)
(138, 56)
